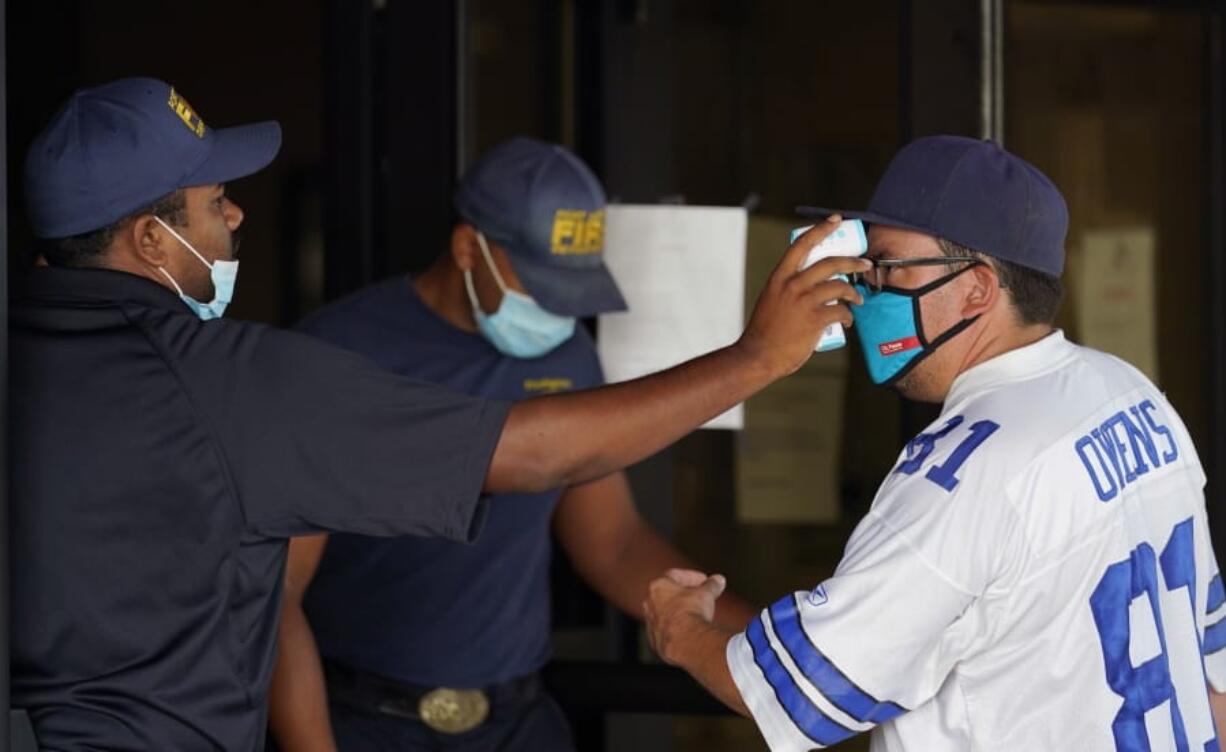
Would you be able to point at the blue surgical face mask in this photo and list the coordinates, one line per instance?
(891, 329)
(223, 273)
(519, 328)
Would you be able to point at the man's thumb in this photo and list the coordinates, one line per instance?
(715, 585)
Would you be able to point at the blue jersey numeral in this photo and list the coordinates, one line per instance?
(945, 474)
(1148, 685)
(922, 445)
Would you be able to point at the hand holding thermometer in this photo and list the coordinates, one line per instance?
(848, 239)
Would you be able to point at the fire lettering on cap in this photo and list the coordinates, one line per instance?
(576, 232)
(186, 113)
(898, 345)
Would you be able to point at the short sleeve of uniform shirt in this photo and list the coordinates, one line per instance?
(315, 438)
(881, 635)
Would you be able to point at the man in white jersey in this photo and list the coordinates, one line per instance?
(1036, 572)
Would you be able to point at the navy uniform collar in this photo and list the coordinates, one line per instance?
(88, 288)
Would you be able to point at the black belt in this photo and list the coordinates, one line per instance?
(446, 709)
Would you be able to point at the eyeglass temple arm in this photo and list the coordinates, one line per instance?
(933, 261)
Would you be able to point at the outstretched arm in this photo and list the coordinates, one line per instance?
(566, 439)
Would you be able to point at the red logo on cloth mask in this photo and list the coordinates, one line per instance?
(898, 345)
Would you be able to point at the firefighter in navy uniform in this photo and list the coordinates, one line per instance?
(410, 627)
(161, 455)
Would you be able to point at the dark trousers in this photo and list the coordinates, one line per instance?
(533, 726)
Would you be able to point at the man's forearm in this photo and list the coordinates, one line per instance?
(298, 698)
(624, 577)
(679, 609)
(566, 439)
(703, 657)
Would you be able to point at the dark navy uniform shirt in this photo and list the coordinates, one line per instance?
(158, 464)
(433, 612)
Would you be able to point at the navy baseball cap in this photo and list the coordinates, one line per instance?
(114, 149)
(974, 193)
(544, 206)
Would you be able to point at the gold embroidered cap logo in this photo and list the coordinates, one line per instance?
(577, 232)
(186, 113)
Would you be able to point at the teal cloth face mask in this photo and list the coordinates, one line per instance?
(223, 273)
(891, 329)
(519, 328)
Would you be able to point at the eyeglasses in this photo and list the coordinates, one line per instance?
(876, 278)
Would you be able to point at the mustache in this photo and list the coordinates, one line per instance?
(235, 241)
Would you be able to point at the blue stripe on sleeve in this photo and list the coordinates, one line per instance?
(1217, 594)
(812, 722)
(1215, 638)
(825, 676)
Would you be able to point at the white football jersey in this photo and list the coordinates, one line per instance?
(1034, 574)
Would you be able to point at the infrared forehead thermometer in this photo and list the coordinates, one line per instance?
(848, 239)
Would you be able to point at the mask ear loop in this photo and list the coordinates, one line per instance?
(179, 238)
(166, 274)
(186, 245)
(472, 293)
(489, 260)
(919, 316)
(929, 347)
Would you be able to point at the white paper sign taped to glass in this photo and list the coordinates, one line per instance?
(682, 272)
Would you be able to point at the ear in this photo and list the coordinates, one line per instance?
(985, 291)
(464, 248)
(147, 240)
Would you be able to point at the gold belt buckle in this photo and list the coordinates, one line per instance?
(453, 711)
